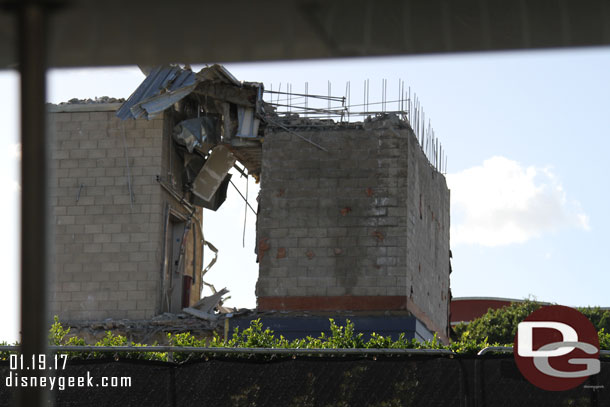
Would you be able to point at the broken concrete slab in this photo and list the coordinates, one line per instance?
(206, 316)
(207, 304)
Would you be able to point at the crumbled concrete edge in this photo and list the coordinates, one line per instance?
(98, 104)
(75, 108)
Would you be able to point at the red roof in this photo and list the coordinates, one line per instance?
(467, 309)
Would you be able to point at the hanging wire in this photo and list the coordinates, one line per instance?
(243, 238)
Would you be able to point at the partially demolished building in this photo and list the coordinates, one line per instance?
(361, 227)
(353, 220)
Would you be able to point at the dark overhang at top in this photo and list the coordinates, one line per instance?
(112, 32)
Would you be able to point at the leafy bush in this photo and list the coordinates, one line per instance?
(500, 325)
(599, 318)
(340, 338)
(604, 339)
(497, 325)
(57, 333)
(492, 329)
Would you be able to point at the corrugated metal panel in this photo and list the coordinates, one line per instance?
(163, 87)
(155, 105)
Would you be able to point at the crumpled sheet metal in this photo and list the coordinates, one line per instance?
(168, 84)
(195, 132)
(163, 87)
(247, 123)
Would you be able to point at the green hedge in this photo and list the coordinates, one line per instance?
(469, 343)
(500, 325)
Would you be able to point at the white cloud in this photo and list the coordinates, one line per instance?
(501, 203)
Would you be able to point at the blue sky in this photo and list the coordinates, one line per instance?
(526, 134)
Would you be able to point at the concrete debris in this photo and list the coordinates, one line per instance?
(208, 304)
(206, 316)
(96, 100)
(144, 331)
(155, 330)
(219, 120)
(218, 73)
(383, 121)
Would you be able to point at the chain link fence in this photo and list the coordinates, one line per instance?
(331, 379)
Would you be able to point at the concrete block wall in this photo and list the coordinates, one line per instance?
(339, 230)
(428, 240)
(108, 247)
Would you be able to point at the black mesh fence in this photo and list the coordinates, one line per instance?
(340, 381)
(499, 383)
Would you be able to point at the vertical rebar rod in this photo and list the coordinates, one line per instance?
(401, 97)
(381, 106)
(364, 95)
(243, 236)
(349, 98)
(410, 110)
(415, 111)
(438, 153)
(431, 157)
(404, 103)
(418, 117)
(385, 94)
(433, 147)
(429, 141)
(346, 102)
(441, 158)
(382, 95)
(422, 121)
(426, 147)
(329, 100)
(367, 95)
(435, 151)
(399, 100)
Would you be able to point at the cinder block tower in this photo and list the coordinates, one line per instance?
(362, 227)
